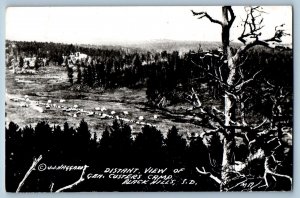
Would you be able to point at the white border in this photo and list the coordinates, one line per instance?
(296, 28)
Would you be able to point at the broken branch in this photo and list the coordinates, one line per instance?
(204, 14)
(269, 171)
(216, 179)
(232, 16)
(71, 186)
(210, 74)
(243, 84)
(210, 132)
(32, 167)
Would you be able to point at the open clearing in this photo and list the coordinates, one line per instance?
(50, 89)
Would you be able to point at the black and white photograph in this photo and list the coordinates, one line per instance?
(149, 99)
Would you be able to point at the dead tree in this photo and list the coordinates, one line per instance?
(234, 84)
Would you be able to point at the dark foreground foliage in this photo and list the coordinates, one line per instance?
(117, 148)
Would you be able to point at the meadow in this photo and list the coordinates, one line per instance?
(51, 83)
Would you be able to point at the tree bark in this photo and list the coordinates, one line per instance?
(225, 30)
(242, 111)
(229, 141)
(229, 105)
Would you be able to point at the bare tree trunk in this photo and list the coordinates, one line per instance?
(225, 30)
(242, 110)
(229, 141)
(229, 105)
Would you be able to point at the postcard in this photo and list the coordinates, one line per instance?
(149, 98)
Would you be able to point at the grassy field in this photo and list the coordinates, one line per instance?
(51, 83)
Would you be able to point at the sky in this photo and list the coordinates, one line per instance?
(119, 25)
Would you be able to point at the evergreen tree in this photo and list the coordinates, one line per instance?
(36, 64)
(121, 142)
(82, 139)
(21, 63)
(176, 147)
(43, 138)
(105, 143)
(70, 74)
(83, 131)
(79, 75)
(69, 135)
(197, 154)
(148, 147)
(93, 150)
(14, 156)
(105, 147)
(90, 76)
(85, 76)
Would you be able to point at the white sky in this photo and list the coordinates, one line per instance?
(105, 25)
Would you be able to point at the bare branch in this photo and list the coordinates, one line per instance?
(279, 144)
(269, 171)
(241, 38)
(254, 25)
(216, 179)
(266, 42)
(238, 184)
(275, 160)
(231, 94)
(214, 108)
(243, 84)
(205, 111)
(210, 74)
(211, 132)
(32, 167)
(204, 14)
(198, 102)
(51, 187)
(71, 186)
(242, 63)
(220, 73)
(232, 16)
(213, 116)
(248, 128)
(260, 125)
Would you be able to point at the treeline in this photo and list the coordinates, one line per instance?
(169, 77)
(116, 148)
(110, 68)
(165, 71)
(54, 52)
(109, 73)
(164, 75)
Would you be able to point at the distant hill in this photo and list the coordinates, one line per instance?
(160, 45)
(166, 45)
(171, 45)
